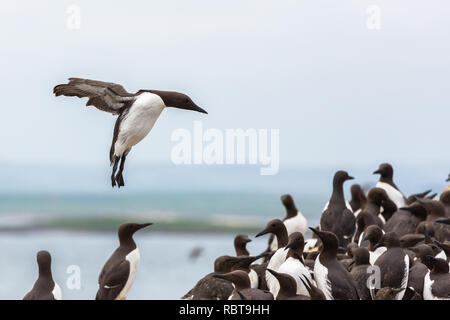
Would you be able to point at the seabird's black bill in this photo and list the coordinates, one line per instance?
(247, 240)
(376, 172)
(350, 178)
(143, 225)
(262, 233)
(288, 246)
(219, 276)
(274, 273)
(317, 232)
(193, 108)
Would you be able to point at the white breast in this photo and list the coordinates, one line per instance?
(297, 270)
(275, 262)
(393, 194)
(347, 204)
(57, 294)
(138, 122)
(294, 224)
(404, 283)
(254, 281)
(133, 258)
(321, 278)
(441, 255)
(373, 255)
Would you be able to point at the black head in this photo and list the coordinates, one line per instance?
(439, 265)
(422, 251)
(411, 239)
(126, 230)
(274, 226)
(178, 100)
(445, 198)
(389, 240)
(373, 233)
(385, 170)
(377, 195)
(448, 179)
(433, 207)
(418, 209)
(296, 242)
(329, 240)
(239, 278)
(288, 285)
(241, 240)
(44, 261)
(361, 256)
(341, 176)
(350, 247)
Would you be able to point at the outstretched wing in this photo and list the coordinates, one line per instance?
(105, 96)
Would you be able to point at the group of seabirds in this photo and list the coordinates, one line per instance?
(404, 242)
(379, 246)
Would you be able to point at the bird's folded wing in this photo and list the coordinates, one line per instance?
(117, 276)
(105, 96)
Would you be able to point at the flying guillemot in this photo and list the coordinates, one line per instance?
(119, 272)
(45, 288)
(137, 113)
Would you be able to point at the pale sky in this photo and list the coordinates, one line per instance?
(338, 92)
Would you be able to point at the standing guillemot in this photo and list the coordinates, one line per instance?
(213, 288)
(45, 288)
(240, 243)
(337, 217)
(331, 277)
(406, 219)
(241, 284)
(137, 113)
(369, 215)
(386, 182)
(393, 264)
(360, 272)
(436, 285)
(277, 228)
(419, 268)
(294, 264)
(119, 272)
(288, 287)
(294, 220)
(358, 198)
(373, 234)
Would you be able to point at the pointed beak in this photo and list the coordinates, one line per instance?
(379, 244)
(274, 273)
(317, 232)
(350, 178)
(219, 276)
(196, 108)
(247, 240)
(376, 172)
(265, 231)
(143, 225)
(288, 246)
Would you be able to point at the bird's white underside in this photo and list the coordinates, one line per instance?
(321, 278)
(138, 121)
(393, 194)
(133, 258)
(297, 270)
(274, 264)
(294, 224)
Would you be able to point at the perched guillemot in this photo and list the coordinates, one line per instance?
(406, 219)
(331, 277)
(389, 208)
(393, 264)
(277, 228)
(119, 272)
(337, 217)
(294, 264)
(294, 220)
(373, 234)
(360, 272)
(137, 113)
(436, 285)
(419, 268)
(388, 293)
(240, 245)
(369, 215)
(358, 198)
(288, 287)
(386, 182)
(436, 211)
(45, 288)
(213, 288)
(241, 284)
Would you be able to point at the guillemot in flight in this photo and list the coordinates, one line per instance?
(119, 272)
(330, 275)
(45, 288)
(386, 182)
(137, 113)
(337, 216)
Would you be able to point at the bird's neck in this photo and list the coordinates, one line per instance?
(282, 237)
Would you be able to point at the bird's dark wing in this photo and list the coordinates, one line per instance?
(105, 96)
(112, 281)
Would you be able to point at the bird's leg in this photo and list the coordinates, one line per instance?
(119, 176)
(115, 163)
